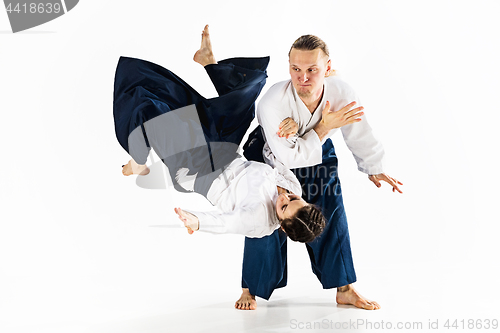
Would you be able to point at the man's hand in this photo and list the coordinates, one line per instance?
(335, 119)
(391, 181)
(287, 127)
(191, 222)
(342, 117)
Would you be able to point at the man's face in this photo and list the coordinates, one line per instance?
(307, 70)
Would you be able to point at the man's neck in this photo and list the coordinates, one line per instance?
(313, 102)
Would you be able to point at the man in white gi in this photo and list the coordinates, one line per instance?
(298, 117)
(198, 138)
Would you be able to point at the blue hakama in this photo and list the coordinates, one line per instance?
(265, 259)
(150, 107)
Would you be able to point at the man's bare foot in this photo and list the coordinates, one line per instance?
(246, 301)
(349, 295)
(132, 168)
(204, 55)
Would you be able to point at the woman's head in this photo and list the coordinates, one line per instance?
(301, 221)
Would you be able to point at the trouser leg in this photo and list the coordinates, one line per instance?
(233, 74)
(239, 82)
(265, 264)
(150, 104)
(330, 253)
(143, 91)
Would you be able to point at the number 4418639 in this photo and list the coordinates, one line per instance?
(471, 324)
(34, 8)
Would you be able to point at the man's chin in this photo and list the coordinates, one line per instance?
(304, 93)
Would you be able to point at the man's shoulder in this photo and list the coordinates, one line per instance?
(276, 93)
(339, 87)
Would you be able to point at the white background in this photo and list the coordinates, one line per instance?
(84, 249)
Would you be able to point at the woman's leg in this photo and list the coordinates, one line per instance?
(238, 82)
(143, 91)
(147, 94)
(133, 168)
(205, 56)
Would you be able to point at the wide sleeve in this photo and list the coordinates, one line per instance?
(294, 152)
(248, 221)
(287, 179)
(359, 138)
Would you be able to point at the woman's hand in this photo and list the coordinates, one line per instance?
(287, 128)
(191, 222)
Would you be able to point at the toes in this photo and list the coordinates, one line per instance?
(368, 306)
(245, 305)
(371, 305)
(363, 304)
(374, 305)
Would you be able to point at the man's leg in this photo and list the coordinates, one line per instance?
(330, 253)
(264, 268)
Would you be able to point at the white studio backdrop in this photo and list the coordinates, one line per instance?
(80, 244)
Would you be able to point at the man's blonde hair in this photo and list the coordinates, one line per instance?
(309, 43)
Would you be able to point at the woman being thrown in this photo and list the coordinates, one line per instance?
(198, 138)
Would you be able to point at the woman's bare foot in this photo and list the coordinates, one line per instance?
(204, 55)
(132, 168)
(246, 301)
(349, 295)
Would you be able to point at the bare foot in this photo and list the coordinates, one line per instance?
(204, 55)
(349, 296)
(246, 301)
(132, 168)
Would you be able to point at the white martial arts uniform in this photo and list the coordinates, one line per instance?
(305, 149)
(245, 194)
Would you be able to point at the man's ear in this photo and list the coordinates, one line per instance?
(328, 67)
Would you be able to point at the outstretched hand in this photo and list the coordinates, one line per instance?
(190, 221)
(391, 181)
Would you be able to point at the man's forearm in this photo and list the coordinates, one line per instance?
(321, 130)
